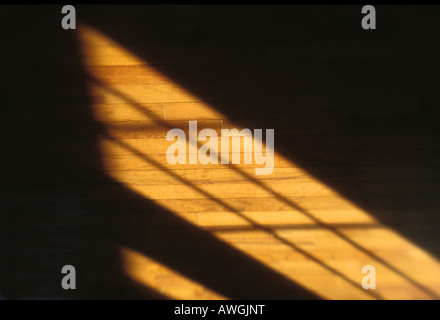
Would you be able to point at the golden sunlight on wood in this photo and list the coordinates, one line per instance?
(287, 220)
(166, 281)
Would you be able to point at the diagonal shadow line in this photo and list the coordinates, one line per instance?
(358, 226)
(292, 204)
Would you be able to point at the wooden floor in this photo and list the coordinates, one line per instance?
(356, 179)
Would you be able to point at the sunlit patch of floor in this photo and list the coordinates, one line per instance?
(165, 280)
(288, 220)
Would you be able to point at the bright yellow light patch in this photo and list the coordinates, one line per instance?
(288, 220)
(164, 280)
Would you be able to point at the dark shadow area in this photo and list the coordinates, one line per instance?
(355, 108)
(58, 206)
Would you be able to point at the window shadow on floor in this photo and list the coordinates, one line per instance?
(356, 109)
(52, 214)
